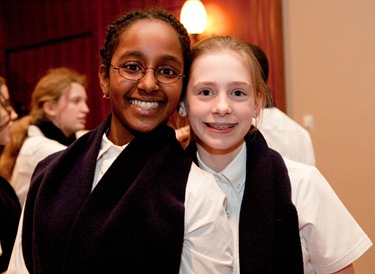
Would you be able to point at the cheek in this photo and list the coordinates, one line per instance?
(245, 114)
(3, 114)
(173, 93)
(68, 113)
(119, 85)
(197, 112)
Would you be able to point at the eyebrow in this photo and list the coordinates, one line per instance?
(235, 83)
(240, 83)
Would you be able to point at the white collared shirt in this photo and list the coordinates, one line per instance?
(286, 136)
(231, 180)
(35, 148)
(321, 215)
(107, 155)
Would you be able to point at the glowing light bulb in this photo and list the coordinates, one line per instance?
(193, 16)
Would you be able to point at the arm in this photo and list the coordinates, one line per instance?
(321, 214)
(347, 270)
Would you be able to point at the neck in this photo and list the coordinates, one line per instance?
(218, 159)
(53, 132)
(119, 135)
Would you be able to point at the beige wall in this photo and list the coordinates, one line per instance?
(330, 74)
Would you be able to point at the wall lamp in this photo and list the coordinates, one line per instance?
(194, 17)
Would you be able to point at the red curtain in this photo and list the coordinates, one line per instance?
(267, 16)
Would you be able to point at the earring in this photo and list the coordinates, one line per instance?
(255, 115)
(105, 96)
(182, 110)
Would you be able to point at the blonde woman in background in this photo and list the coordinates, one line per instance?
(58, 112)
(10, 209)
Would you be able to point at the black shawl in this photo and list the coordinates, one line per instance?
(132, 222)
(10, 211)
(268, 228)
(52, 132)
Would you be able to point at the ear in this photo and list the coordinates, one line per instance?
(258, 105)
(104, 80)
(182, 109)
(49, 108)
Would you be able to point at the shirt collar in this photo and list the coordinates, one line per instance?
(235, 172)
(107, 145)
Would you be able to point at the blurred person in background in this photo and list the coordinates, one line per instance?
(58, 111)
(10, 209)
(281, 132)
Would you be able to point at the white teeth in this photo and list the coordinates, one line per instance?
(221, 127)
(144, 105)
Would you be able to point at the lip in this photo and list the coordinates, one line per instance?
(221, 126)
(145, 108)
(146, 105)
(82, 120)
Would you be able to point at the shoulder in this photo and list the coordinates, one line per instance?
(5, 187)
(37, 142)
(276, 159)
(305, 177)
(300, 168)
(85, 148)
(276, 119)
(311, 192)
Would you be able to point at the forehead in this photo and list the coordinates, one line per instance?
(214, 64)
(75, 89)
(151, 38)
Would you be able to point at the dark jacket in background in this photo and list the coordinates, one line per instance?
(10, 211)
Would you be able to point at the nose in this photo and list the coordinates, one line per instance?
(148, 82)
(86, 108)
(13, 114)
(222, 105)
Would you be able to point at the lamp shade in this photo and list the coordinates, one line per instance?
(193, 16)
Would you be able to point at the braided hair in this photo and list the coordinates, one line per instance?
(115, 29)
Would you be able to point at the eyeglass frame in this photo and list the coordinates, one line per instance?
(179, 76)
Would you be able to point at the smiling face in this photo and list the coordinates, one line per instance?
(141, 106)
(220, 101)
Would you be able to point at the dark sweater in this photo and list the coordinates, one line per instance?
(132, 222)
(268, 227)
(10, 211)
